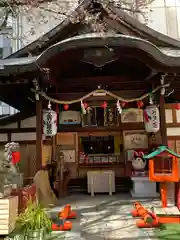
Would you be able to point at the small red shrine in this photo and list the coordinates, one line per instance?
(163, 165)
(164, 168)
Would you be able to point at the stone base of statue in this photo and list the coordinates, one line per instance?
(143, 187)
(5, 191)
(17, 180)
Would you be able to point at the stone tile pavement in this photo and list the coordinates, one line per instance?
(104, 218)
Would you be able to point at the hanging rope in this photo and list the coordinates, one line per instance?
(99, 91)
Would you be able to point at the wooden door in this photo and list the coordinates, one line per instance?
(28, 162)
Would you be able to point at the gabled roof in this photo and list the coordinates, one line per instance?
(67, 35)
(160, 150)
(161, 60)
(122, 23)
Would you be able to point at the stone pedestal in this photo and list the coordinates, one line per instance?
(143, 187)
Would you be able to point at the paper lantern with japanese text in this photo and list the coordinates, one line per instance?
(49, 123)
(152, 118)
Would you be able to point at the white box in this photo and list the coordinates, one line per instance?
(101, 182)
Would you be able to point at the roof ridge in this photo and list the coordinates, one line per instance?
(122, 17)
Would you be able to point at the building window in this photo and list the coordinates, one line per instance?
(5, 42)
(7, 110)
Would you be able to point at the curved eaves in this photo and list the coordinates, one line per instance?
(19, 65)
(99, 40)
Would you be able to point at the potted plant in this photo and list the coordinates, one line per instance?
(34, 222)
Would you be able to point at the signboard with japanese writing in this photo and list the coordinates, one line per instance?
(49, 123)
(135, 140)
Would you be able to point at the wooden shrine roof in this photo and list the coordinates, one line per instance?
(157, 57)
(144, 50)
(141, 56)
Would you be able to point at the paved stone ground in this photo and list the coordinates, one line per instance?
(104, 218)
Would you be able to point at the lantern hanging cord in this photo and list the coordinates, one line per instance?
(99, 91)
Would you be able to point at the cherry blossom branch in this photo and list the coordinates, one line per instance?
(57, 11)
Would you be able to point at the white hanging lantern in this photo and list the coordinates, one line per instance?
(152, 118)
(49, 122)
(83, 108)
(119, 108)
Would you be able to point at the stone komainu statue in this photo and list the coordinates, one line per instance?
(8, 171)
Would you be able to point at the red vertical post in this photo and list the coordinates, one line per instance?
(163, 189)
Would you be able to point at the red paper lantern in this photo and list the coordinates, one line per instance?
(104, 105)
(140, 104)
(15, 157)
(66, 107)
(177, 106)
(85, 105)
(123, 104)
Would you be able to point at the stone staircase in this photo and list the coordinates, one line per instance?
(123, 185)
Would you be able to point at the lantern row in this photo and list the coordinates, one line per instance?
(84, 105)
(150, 114)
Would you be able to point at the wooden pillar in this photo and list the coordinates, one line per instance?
(38, 133)
(163, 189)
(163, 115)
(54, 148)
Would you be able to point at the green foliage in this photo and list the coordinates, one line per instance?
(34, 218)
(168, 232)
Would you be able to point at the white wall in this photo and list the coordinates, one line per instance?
(164, 16)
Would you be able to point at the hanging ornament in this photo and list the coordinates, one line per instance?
(83, 108)
(123, 104)
(119, 109)
(140, 104)
(151, 118)
(66, 107)
(177, 106)
(85, 105)
(150, 99)
(104, 105)
(49, 123)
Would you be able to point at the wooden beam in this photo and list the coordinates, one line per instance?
(45, 142)
(112, 79)
(173, 125)
(17, 130)
(123, 126)
(173, 138)
(75, 95)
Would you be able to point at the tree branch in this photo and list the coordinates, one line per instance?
(52, 11)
